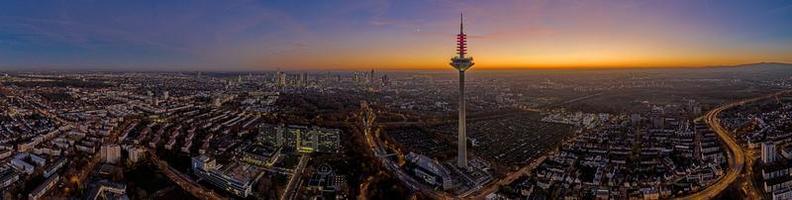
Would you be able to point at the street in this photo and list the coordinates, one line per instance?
(736, 155)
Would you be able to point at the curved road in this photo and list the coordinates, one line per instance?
(735, 153)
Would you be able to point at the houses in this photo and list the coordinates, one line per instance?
(620, 160)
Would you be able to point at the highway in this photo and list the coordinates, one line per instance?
(735, 154)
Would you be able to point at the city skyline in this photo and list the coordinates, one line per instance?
(251, 35)
(298, 100)
(703, 133)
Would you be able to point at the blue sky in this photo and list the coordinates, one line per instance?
(328, 34)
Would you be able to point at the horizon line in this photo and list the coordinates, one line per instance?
(352, 69)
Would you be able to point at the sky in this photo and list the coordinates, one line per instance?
(383, 34)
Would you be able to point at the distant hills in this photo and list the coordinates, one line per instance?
(760, 64)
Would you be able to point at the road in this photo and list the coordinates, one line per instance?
(182, 180)
(290, 190)
(394, 168)
(375, 145)
(492, 187)
(736, 155)
(748, 187)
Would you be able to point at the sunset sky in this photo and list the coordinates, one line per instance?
(404, 34)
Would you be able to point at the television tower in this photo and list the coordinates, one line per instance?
(461, 64)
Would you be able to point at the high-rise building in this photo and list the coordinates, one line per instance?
(111, 153)
(280, 78)
(135, 154)
(461, 64)
(769, 154)
(303, 81)
(370, 77)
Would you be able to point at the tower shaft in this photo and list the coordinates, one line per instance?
(462, 137)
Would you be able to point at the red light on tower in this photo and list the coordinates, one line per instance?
(461, 45)
(461, 39)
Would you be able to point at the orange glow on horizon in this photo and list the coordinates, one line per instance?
(506, 52)
(588, 43)
(488, 62)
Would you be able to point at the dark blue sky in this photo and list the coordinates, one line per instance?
(327, 34)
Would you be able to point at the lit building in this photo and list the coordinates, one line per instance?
(370, 77)
(280, 79)
(303, 81)
(308, 140)
(324, 179)
(234, 179)
(52, 169)
(461, 64)
(105, 189)
(5, 153)
(769, 154)
(430, 171)
(203, 162)
(21, 165)
(787, 152)
(260, 156)
(111, 153)
(135, 154)
(782, 194)
(385, 80)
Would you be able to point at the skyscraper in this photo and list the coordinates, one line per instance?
(111, 153)
(370, 77)
(280, 78)
(461, 64)
(303, 80)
